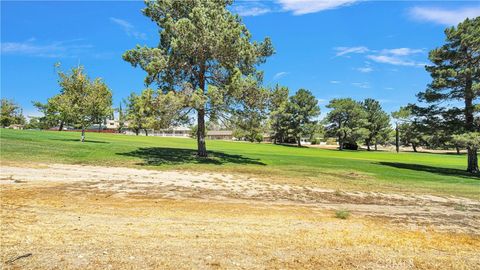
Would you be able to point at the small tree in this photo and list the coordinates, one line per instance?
(377, 122)
(135, 113)
(81, 100)
(409, 129)
(11, 113)
(301, 109)
(471, 141)
(154, 110)
(346, 121)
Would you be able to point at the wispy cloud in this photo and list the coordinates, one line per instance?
(343, 51)
(442, 15)
(251, 8)
(128, 28)
(55, 49)
(394, 60)
(335, 82)
(280, 75)
(402, 51)
(300, 7)
(396, 56)
(361, 84)
(389, 88)
(365, 69)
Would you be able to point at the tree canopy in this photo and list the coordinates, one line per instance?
(346, 121)
(11, 113)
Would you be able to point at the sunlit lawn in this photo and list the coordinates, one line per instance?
(382, 171)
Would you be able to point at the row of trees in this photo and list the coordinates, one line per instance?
(353, 122)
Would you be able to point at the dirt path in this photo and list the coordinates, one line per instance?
(447, 213)
(72, 216)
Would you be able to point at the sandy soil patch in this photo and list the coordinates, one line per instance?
(87, 217)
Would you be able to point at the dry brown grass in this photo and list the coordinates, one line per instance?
(67, 227)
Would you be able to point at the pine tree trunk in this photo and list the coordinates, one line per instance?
(146, 132)
(60, 128)
(458, 149)
(299, 142)
(469, 107)
(137, 131)
(397, 139)
(368, 145)
(340, 143)
(202, 147)
(376, 148)
(472, 160)
(414, 146)
(83, 135)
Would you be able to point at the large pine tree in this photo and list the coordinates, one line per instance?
(456, 76)
(204, 54)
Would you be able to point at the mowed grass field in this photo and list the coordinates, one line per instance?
(441, 174)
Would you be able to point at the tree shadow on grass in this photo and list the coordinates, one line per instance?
(431, 169)
(78, 140)
(155, 156)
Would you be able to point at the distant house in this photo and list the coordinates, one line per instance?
(220, 135)
(182, 132)
(16, 126)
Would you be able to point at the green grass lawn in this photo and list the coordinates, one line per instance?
(343, 170)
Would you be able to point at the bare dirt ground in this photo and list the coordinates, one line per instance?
(87, 217)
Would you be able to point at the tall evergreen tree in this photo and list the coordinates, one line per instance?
(204, 54)
(377, 122)
(456, 74)
(278, 118)
(302, 108)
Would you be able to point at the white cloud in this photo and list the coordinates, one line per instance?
(402, 51)
(348, 50)
(444, 16)
(56, 49)
(300, 7)
(389, 88)
(361, 84)
(279, 75)
(251, 9)
(365, 69)
(396, 56)
(394, 60)
(335, 82)
(128, 28)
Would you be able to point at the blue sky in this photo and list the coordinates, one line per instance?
(341, 48)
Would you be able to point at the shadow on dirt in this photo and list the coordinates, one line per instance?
(154, 156)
